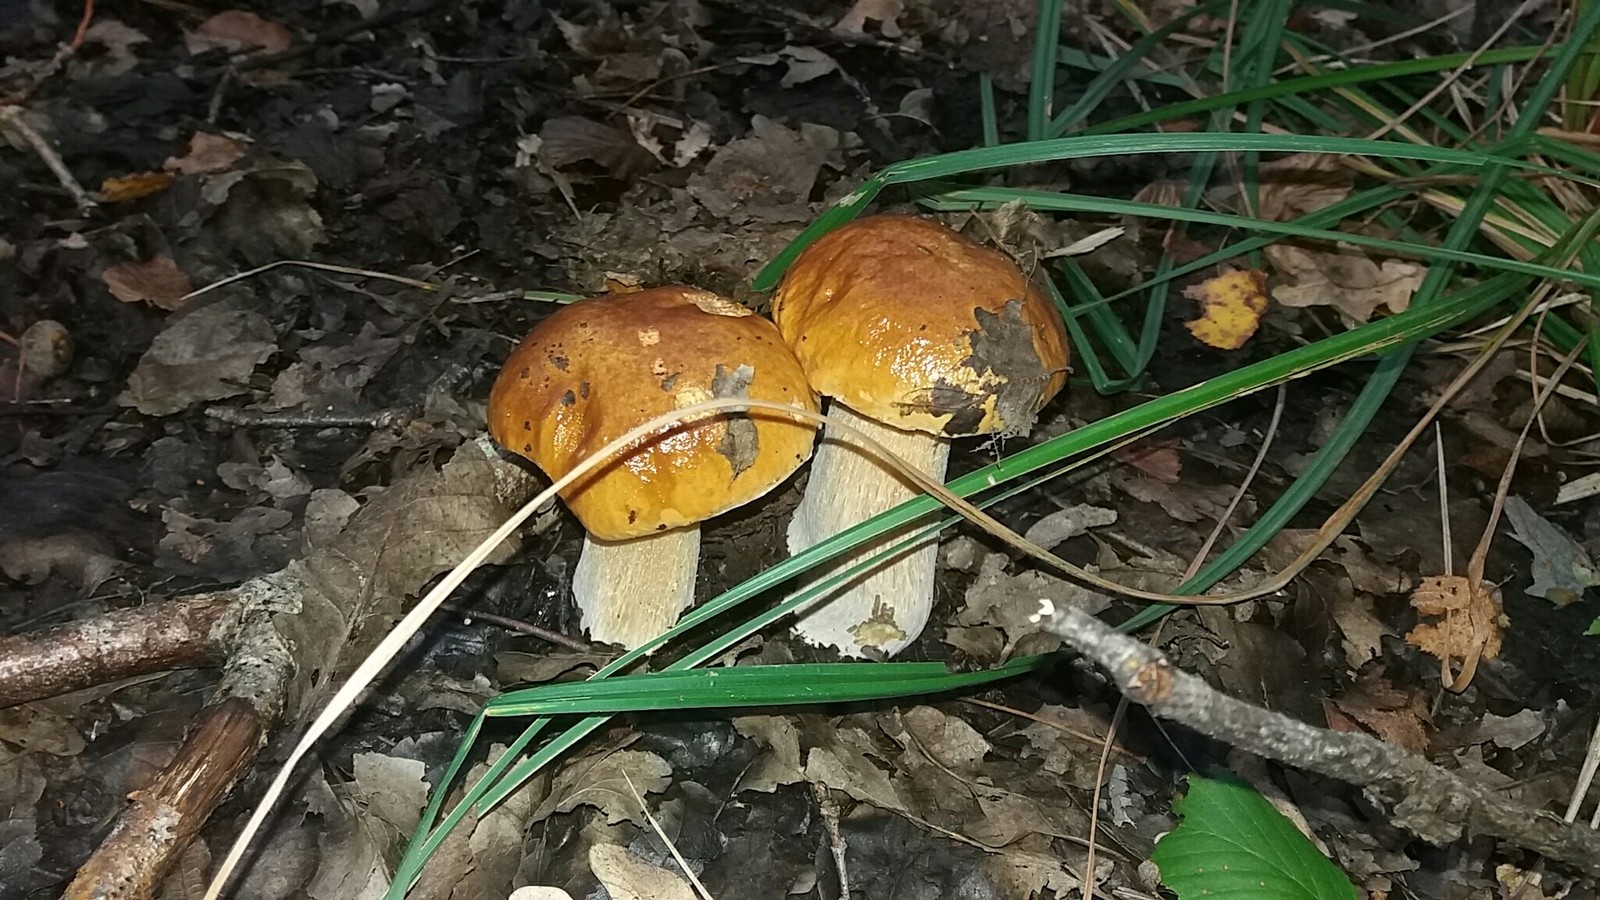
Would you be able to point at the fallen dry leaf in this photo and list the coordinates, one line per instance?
(572, 139)
(1347, 280)
(779, 763)
(1562, 569)
(847, 765)
(1394, 715)
(157, 281)
(884, 12)
(627, 877)
(614, 783)
(767, 177)
(235, 30)
(206, 354)
(122, 188)
(1361, 632)
(206, 153)
(1231, 306)
(1300, 184)
(1465, 626)
(1181, 500)
(1158, 459)
(117, 38)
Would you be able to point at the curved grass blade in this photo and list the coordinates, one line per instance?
(985, 158)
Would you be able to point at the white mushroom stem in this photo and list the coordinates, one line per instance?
(881, 611)
(630, 591)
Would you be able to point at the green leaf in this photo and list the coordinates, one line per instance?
(1233, 844)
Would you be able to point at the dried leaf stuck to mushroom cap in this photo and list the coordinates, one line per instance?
(599, 367)
(910, 323)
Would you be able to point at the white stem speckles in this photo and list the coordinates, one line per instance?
(630, 591)
(881, 611)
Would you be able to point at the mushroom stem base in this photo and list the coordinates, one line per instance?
(880, 612)
(630, 591)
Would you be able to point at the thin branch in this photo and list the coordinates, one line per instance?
(1432, 803)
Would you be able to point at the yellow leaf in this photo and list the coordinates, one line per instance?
(122, 188)
(1231, 305)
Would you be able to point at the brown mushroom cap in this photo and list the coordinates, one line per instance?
(597, 368)
(908, 322)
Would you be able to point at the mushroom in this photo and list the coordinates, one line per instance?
(918, 335)
(597, 368)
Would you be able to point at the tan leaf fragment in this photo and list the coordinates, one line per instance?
(1300, 184)
(1391, 713)
(235, 30)
(884, 12)
(1231, 305)
(206, 153)
(627, 877)
(157, 281)
(1348, 280)
(614, 783)
(1466, 619)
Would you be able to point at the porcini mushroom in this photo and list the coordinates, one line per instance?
(918, 335)
(598, 368)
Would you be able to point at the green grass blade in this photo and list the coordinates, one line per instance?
(991, 118)
(985, 158)
(1308, 84)
(723, 688)
(966, 198)
(1042, 80)
(1120, 70)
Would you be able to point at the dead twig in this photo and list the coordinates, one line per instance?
(11, 117)
(1436, 805)
(181, 633)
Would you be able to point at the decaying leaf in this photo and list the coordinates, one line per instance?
(767, 177)
(950, 741)
(1300, 184)
(206, 153)
(480, 857)
(1562, 569)
(1011, 600)
(1231, 306)
(1184, 501)
(1157, 458)
(1393, 714)
(235, 30)
(780, 764)
(1348, 280)
(884, 12)
(157, 281)
(573, 139)
(847, 765)
(1462, 623)
(1361, 632)
(613, 782)
(206, 354)
(627, 877)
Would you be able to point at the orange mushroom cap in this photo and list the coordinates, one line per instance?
(597, 368)
(911, 324)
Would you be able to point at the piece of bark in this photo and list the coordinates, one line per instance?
(1432, 803)
(181, 633)
(160, 820)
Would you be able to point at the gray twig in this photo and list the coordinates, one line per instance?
(1432, 803)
